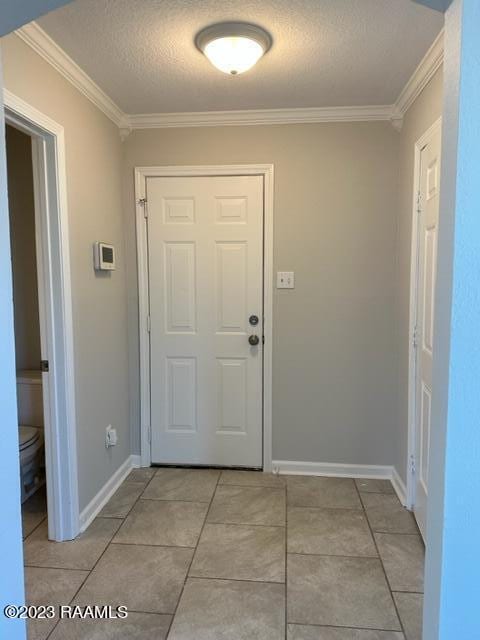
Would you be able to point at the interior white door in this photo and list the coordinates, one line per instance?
(428, 210)
(205, 258)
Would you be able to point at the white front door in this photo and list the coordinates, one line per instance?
(426, 274)
(205, 261)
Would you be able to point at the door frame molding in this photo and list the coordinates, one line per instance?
(141, 174)
(412, 368)
(55, 310)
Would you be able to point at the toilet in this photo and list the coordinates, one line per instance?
(30, 431)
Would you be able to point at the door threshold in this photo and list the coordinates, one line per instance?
(160, 465)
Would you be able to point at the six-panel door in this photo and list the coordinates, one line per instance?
(205, 257)
(427, 266)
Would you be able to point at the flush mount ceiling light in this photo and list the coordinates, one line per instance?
(233, 47)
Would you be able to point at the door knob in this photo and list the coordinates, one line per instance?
(253, 340)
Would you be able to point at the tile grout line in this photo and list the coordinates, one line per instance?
(332, 555)
(90, 571)
(381, 562)
(253, 486)
(248, 524)
(343, 627)
(218, 484)
(111, 542)
(172, 500)
(44, 566)
(309, 506)
(35, 528)
(122, 519)
(154, 475)
(381, 493)
(133, 504)
(126, 544)
(243, 580)
(157, 546)
(327, 508)
(84, 580)
(394, 533)
(193, 555)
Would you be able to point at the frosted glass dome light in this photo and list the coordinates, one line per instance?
(233, 47)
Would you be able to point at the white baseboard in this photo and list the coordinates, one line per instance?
(333, 469)
(136, 461)
(106, 492)
(399, 486)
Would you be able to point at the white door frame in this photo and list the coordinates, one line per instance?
(412, 368)
(141, 174)
(55, 310)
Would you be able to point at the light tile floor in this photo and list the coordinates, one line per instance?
(234, 555)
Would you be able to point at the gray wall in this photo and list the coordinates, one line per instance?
(22, 242)
(339, 337)
(94, 168)
(421, 115)
(334, 375)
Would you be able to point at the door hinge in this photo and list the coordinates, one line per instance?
(415, 337)
(44, 366)
(149, 324)
(419, 202)
(412, 465)
(143, 203)
(149, 433)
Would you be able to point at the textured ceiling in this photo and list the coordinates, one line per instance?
(325, 52)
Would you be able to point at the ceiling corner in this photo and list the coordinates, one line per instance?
(36, 38)
(438, 5)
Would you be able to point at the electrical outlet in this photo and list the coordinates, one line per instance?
(110, 436)
(285, 280)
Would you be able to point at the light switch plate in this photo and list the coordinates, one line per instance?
(285, 280)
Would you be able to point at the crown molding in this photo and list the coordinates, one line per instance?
(259, 117)
(33, 35)
(422, 75)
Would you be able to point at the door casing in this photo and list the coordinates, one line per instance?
(56, 318)
(412, 367)
(141, 174)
